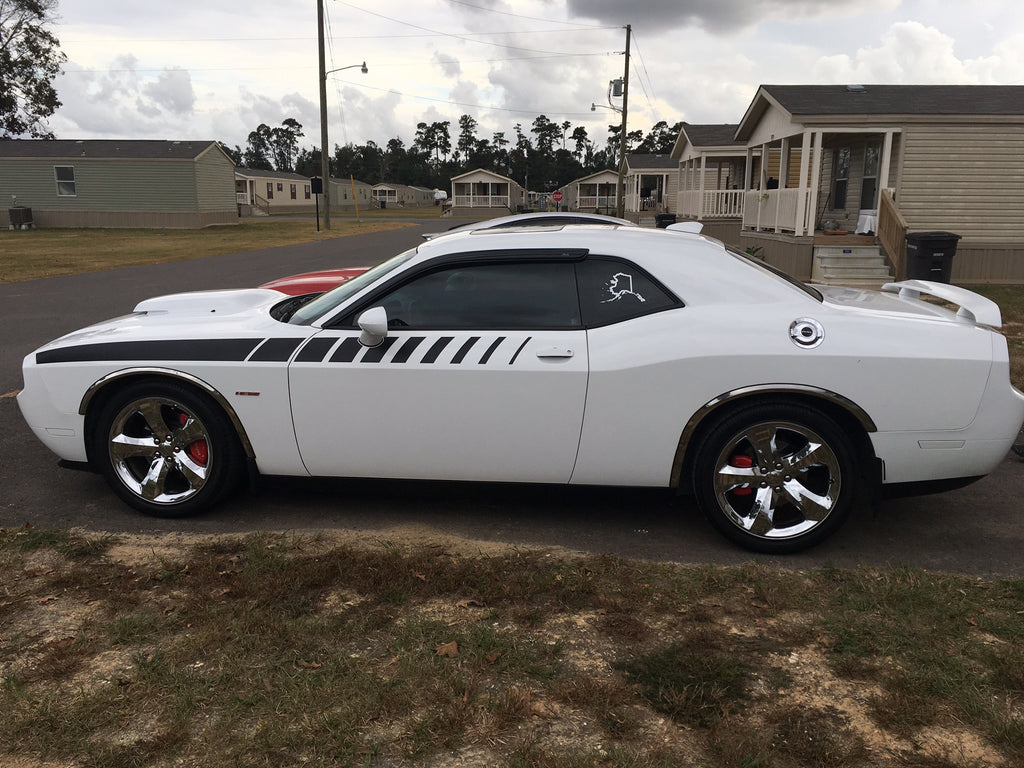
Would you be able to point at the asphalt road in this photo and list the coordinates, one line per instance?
(978, 529)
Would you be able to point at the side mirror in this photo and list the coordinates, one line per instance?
(374, 324)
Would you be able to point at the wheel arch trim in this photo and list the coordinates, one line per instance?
(742, 393)
(169, 373)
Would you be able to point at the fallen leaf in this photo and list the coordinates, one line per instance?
(470, 604)
(490, 658)
(448, 649)
(45, 600)
(62, 644)
(309, 664)
(420, 576)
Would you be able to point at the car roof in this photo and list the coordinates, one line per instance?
(532, 219)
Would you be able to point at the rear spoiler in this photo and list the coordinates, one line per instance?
(973, 307)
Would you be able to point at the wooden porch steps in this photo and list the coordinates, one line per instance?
(860, 266)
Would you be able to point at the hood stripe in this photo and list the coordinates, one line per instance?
(211, 350)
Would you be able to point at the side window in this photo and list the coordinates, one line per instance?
(534, 295)
(612, 291)
(65, 177)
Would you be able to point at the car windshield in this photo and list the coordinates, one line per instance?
(331, 300)
(760, 264)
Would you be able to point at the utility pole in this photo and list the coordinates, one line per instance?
(621, 203)
(325, 159)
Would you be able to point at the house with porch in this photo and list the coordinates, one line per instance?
(850, 169)
(403, 196)
(712, 172)
(596, 193)
(261, 192)
(651, 183)
(482, 189)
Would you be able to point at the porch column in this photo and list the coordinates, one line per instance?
(748, 170)
(801, 201)
(762, 182)
(816, 162)
(700, 194)
(883, 172)
(784, 165)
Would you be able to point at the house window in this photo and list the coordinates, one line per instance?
(294, 192)
(869, 186)
(305, 191)
(65, 177)
(280, 186)
(840, 178)
(270, 190)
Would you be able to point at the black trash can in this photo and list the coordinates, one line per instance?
(930, 255)
(383, 203)
(662, 220)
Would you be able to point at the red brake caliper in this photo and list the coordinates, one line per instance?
(740, 461)
(199, 450)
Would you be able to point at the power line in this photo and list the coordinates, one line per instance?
(445, 34)
(518, 16)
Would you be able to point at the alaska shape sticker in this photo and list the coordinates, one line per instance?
(619, 286)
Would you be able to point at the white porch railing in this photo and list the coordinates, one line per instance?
(241, 198)
(710, 204)
(776, 210)
(595, 201)
(481, 201)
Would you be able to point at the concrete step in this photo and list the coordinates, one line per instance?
(846, 250)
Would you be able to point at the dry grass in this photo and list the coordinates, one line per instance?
(274, 650)
(28, 255)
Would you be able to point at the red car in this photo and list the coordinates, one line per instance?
(314, 282)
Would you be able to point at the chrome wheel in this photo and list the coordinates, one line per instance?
(159, 450)
(775, 477)
(166, 449)
(777, 480)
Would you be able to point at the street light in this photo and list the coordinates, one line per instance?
(325, 161)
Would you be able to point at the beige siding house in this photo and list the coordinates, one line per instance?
(272, 192)
(115, 183)
(596, 193)
(652, 182)
(402, 196)
(478, 189)
(879, 161)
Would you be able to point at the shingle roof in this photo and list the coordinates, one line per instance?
(899, 99)
(137, 149)
(721, 135)
(651, 161)
(260, 173)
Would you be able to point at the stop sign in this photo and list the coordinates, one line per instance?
(557, 196)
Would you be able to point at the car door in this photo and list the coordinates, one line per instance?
(482, 376)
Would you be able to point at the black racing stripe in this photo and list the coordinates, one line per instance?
(436, 349)
(464, 350)
(376, 354)
(347, 351)
(213, 350)
(402, 355)
(490, 350)
(521, 347)
(315, 350)
(275, 351)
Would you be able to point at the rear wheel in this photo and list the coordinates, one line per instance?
(165, 449)
(775, 478)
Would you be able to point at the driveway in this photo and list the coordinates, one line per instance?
(978, 529)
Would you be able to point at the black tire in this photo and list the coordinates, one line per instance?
(775, 478)
(165, 449)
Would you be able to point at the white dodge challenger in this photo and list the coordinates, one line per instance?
(595, 355)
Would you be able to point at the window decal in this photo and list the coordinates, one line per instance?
(621, 285)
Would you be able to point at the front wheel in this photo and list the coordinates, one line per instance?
(165, 449)
(775, 478)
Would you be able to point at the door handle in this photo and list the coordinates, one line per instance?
(555, 352)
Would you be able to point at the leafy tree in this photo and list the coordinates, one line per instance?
(30, 59)
(284, 143)
(467, 136)
(257, 149)
(235, 153)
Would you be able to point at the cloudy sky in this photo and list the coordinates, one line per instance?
(217, 69)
